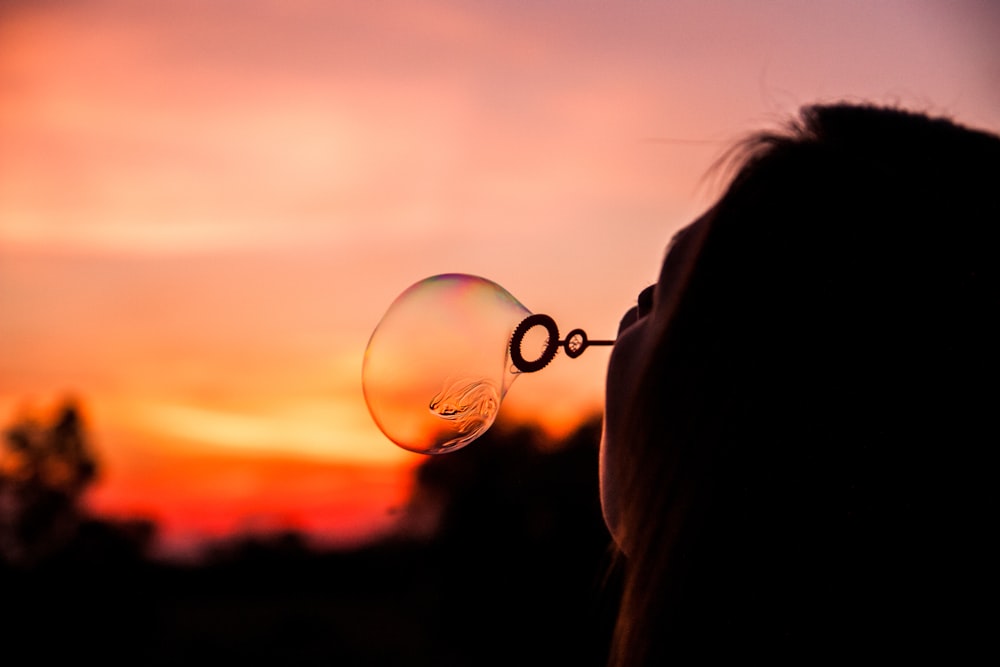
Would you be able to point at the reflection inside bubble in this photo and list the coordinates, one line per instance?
(471, 405)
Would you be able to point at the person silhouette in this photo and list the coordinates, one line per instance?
(800, 414)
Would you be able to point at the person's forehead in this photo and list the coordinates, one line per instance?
(683, 249)
(693, 232)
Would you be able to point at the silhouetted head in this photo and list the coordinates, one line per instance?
(797, 434)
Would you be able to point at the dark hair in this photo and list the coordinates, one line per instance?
(812, 432)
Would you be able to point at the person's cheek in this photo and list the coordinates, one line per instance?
(623, 368)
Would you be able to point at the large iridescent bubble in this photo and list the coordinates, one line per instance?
(438, 364)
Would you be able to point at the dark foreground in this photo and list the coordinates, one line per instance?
(515, 573)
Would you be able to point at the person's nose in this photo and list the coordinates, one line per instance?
(644, 304)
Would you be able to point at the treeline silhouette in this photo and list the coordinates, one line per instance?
(502, 559)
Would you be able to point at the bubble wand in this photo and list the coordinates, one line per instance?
(574, 344)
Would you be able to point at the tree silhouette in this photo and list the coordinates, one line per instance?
(44, 470)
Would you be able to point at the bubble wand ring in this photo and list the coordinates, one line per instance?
(575, 343)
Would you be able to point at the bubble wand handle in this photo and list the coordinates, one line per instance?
(575, 343)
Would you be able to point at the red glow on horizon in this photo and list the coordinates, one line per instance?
(211, 498)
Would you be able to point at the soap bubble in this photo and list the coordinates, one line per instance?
(438, 364)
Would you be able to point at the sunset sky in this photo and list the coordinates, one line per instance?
(206, 207)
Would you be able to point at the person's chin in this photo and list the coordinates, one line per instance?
(623, 370)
